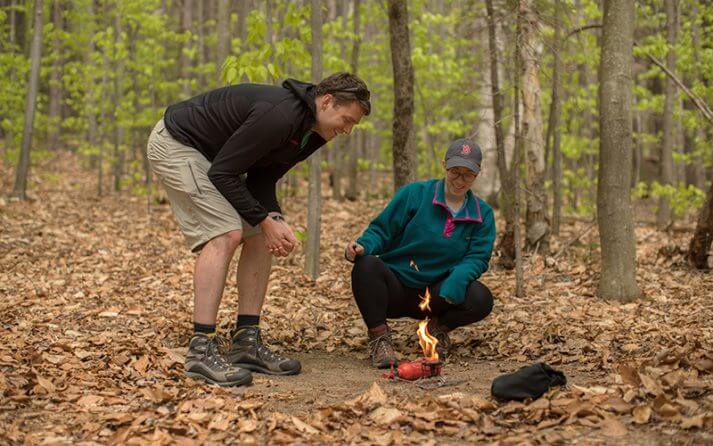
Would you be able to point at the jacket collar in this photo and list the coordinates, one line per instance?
(470, 210)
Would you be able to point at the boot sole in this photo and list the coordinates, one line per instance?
(261, 369)
(240, 382)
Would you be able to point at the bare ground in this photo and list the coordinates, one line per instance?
(95, 306)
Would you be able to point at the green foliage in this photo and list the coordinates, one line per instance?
(124, 81)
(683, 199)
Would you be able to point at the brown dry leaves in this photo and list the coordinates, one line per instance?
(96, 306)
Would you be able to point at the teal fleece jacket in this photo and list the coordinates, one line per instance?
(422, 242)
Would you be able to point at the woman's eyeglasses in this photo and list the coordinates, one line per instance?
(467, 176)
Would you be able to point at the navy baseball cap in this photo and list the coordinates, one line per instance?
(464, 153)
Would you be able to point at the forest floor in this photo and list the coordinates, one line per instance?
(95, 307)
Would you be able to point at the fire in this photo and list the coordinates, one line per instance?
(427, 342)
(425, 301)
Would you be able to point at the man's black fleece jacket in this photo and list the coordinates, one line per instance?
(252, 135)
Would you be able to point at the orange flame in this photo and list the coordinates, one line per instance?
(425, 301)
(427, 342)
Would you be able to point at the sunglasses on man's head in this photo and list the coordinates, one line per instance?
(361, 94)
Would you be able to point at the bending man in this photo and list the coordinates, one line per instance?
(219, 156)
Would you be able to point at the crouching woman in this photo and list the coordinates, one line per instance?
(434, 235)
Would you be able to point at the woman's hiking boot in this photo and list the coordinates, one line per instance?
(440, 332)
(383, 353)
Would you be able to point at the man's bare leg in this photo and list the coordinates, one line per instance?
(210, 274)
(253, 274)
(247, 350)
(203, 360)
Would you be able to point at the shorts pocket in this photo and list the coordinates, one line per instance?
(177, 175)
(193, 179)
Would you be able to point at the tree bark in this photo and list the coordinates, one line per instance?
(243, 11)
(223, 44)
(664, 214)
(516, 160)
(488, 183)
(91, 107)
(614, 211)
(23, 167)
(54, 112)
(185, 60)
(556, 152)
(703, 236)
(402, 145)
(314, 209)
(270, 35)
(119, 153)
(538, 231)
(352, 191)
(506, 244)
(200, 30)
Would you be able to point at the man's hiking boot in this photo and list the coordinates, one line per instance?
(443, 348)
(205, 362)
(247, 351)
(383, 354)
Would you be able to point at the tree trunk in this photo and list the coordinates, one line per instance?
(243, 11)
(402, 145)
(517, 156)
(352, 185)
(91, 107)
(488, 182)
(556, 152)
(314, 210)
(54, 112)
(118, 95)
(200, 30)
(12, 19)
(699, 170)
(703, 236)
(223, 45)
(614, 211)
(538, 231)
(664, 214)
(23, 167)
(101, 137)
(186, 62)
(269, 35)
(506, 244)
(345, 142)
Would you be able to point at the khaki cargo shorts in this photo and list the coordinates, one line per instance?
(201, 211)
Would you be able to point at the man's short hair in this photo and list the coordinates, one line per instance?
(345, 88)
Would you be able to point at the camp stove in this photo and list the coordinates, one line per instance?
(430, 365)
(418, 369)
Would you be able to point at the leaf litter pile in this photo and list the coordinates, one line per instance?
(96, 315)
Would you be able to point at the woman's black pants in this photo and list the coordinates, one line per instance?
(380, 295)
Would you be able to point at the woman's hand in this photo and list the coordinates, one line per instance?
(353, 250)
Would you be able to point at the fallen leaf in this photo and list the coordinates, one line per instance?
(248, 425)
(304, 427)
(691, 422)
(611, 427)
(385, 415)
(45, 383)
(108, 314)
(141, 364)
(642, 414)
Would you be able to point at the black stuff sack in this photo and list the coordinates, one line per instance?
(528, 382)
